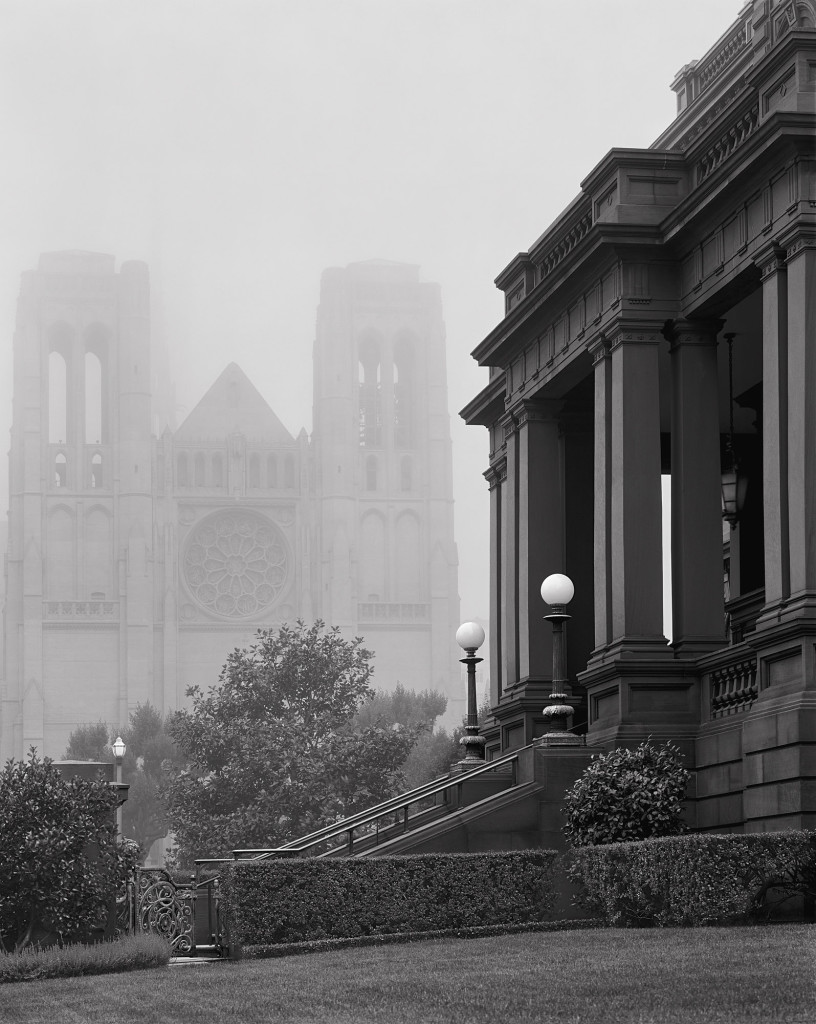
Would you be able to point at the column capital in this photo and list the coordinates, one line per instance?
(598, 348)
(770, 260)
(805, 240)
(682, 332)
(536, 410)
(634, 332)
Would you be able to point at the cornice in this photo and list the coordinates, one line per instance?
(487, 406)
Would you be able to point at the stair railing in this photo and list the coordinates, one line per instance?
(370, 818)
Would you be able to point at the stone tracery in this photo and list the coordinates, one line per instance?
(235, 563)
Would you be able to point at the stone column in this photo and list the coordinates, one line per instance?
(541, 529)
(495, 477)
(775, 426)
(801, 323)
(697, 589)
(603, 489)
(510, 558)
(633, 524)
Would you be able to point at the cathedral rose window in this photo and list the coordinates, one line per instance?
(235, 563)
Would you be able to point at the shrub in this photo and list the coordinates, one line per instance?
(284, 901)
(627, 794)
(58, 857)
(695, 879)
(132, 953)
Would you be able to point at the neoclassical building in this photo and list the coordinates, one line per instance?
(138, 558)
(665, 325)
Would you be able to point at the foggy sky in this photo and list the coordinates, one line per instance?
(240, 147)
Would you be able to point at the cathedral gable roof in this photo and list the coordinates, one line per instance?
(233, 405)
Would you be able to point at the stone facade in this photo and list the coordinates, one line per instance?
(137, 562)
(609, 370)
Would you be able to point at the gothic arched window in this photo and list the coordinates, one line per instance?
(289, 472)
(254, 470)
(406, 475)
(93, 398)
(60, 471)
(271, 471)
(369, 380)
(403, 393)
(57, 398)
(96, 471)
(182, 479)
(200, 469)
(96, 353)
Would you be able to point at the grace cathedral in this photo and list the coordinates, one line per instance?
(139, 556)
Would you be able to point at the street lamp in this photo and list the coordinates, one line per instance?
(119, 750)
(557, 591)
(470, 636)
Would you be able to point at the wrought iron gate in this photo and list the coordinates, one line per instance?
(187, 914)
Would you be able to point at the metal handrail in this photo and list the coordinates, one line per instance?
(370, 816)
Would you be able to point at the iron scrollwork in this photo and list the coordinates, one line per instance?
(165, 908)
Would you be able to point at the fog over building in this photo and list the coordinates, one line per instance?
(140, 554)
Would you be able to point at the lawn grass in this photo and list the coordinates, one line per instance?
(737, 975)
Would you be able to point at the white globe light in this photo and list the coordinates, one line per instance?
(119, 747)
(557, 589)
(470, 636)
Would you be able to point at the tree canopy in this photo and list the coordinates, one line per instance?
(272, 751)
(58, 853)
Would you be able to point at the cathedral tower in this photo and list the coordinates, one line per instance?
(78, 612)
(388, 563)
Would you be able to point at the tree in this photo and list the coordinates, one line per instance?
(58, 853)
(89, 743)
(627, 794)
(148, 746)
(401, 707)
(271, 750)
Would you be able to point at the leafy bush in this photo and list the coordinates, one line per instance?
(132, 953)
(695, 879)
(627, 794)
(283, 901)
(58, 855)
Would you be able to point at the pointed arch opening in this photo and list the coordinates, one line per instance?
(289, 472)
(60, 470)
(182, 474)
(96, 471)
(200, 470)
(370, 396)
(96, 359)
(372, 558)
(93, 398)
(404, 384)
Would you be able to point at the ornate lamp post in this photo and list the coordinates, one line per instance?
(470, 637)
(557, 591)
(119, 751)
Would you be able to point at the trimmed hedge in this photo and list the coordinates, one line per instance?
(132, 953)
(287, 901)
(695, 879)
